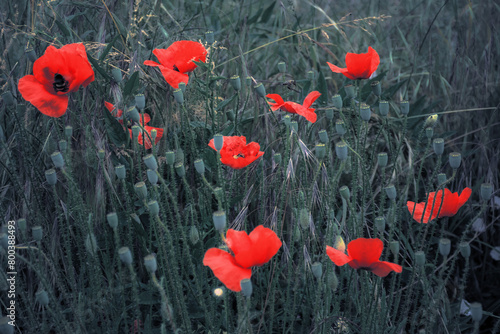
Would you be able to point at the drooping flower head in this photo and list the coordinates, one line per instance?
(147, 143)
(295, 108)
(236, 153)
(55, 74)
(364, 253)
(248, 250)
(451, 203)
(358, 66)
(177, 60)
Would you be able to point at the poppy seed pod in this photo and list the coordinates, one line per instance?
(441, 178)
(376, 88)
(140, 101)
(120, 172)
(380, 224)
(51, 176)
(152, 176)
(125, 255)
(21, 223)
(179, 169)
(287, 120)
(101, 154)
(455, 159)
(8, 98)
(320, 150)
(329, 114)
(194, 235)
(282, 67)
(340, 127)
(341, 150)
(179, 96)
(345, 192)
(91, 244)
(485, 192)
(323, 136)
(394, 247)
(182, 86)
(235, 82)
(31, 54)
(68, 132)
(150, 162)
(444, 246)
(219, 218)
(218, 141)
(116, 73)
(383, 108)
(382, 159)
(317, 270)
(154, 208)
(304, 218)
(277, 158)
(170, 157)
(404, 107)
(390, 191)
(365, 112)
(294, 125)
(136, 130)
(199, 165)
(154, 132)
(133, 114)
(429, 132)
(420, 258)
(248, 81)
(261, 90)
(42, 297)
(464, 248)
(310, 75)
(350, 91)
(476, 311)
(57, 159)
(63, 145)
(438, 146)
(209, 37)
(218, 192)
(246, 287)
(112, 219)
(141, 190)
(337, 101)
(150, 263)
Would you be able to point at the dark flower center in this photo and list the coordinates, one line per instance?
(239, 155)
(60, 85)
(176, 68)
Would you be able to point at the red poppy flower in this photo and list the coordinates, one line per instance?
(177, 60)
(358, 66)
(55, 74)
(147, 118)
(449, 207)
(364, 254)
(236, 153)
(251, 250)
(295, 108)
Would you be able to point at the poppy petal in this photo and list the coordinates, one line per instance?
(338, 257)
(147, 134)
(383, 268)
(225, 268)
(49, 104)
(365, 251)
(464, 197)
(309, 114)
(173, 78)
(180, 55)
(450, 202)
(255, 249)
(151, 63)
(310, 98)
(336, 69)
(278, 100)
(361, 66)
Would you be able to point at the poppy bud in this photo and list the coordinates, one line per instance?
(57, 159)
(21, 223)
(125, 255)
(37, 233)
(154, 208)
(179, 96)
(365, 112)
(345, 192)
(51, 176)
(382, 159)
(429, 132)
(390, 191)
(5, 327)
(464, 248)
(179, 169)
(350, 91)
(150, 162)
(8, 98)
(209, 37)
(135, 131)
(339, 127)
(42, 298)
(218, 141)
(376, 89)
(120, 172)
(152, 176)
(199, 165)
(170, 157)
(438, 146)
(444, 246)
(101, 154)
(337, 101)
(320, 150)
(112, 219)
(63, 145)
(261, 90)
(394, 247)
(341, 150)
(486, 190)
(194, 235)
(383, 108)
(248, 81)
(380, 224)
(68, 132)
(310, 75)
(304, 218)
(282, 67)
(277, 158)
(420, 258)
(323, 136)
(140, 101)
(182, 86)
(150, 263)
(333, 281)
(31, 54)
(317, 270)
(219, 218)
(404, 107)
(246, 287)
(329, 114)
(116, 73)
(294, 125)
(133, 114)
(455, 159)
(91, 244)
(235, 82)
(476, 311)
(441, 178)
(141, 190)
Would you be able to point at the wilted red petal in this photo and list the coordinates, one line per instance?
(365, 251)
(383, 268)
(49, 104)
(225, 268)
(338, 257)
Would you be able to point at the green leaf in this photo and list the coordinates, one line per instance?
(323, 89)
(267, 13)
(115, 130)
(98, 68)
(224, 103)
(64, 28)
(132, 84)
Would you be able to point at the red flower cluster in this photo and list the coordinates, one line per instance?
(449, 207)
(55, 74)
(295, 108)
(364, 254)
(358, 66)
(236, 153)
(249, 251)
(177, 60)
(147, 144)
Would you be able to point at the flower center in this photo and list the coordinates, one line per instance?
(60, 85)
(176, 68)
(239, 155)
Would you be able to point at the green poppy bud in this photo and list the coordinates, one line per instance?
(68, 132)
(194, 235)
(345, 192)
(310, 75)
(261, 90)
(282, 67)
(125, 255)
(420, 258)
(341, 150)
(365, 112)
(150, 263)
(182, 86)
(140, 101)
(323, 136)
(320, 150)
(317, 270)
(141, 190)
(120, 172)
(382, 159)
(31, 54)
(133, 114)
(350, 91)
(394, 247)
(376, 88)
(21, 223)
(219, 218)
(441, 178)
(170, 157)
(116, 73)
(404, 107)
(51, 176)
(218, 141)
(337, 101)
(329, 114)
(294, 125)
(380, 224)
(277, 158)
(455, 159)
(57, 159)
(464, 248)
(152, 176)
(340, 127)
(304, 218)
(135, 131)
(179, 169)
(438, 146)
(476, 311)
(42, 297)
(63, 145)
(246, 287)
(429, 132)
(209, 37)
(150, 162)
(444, 246)
(112, 219)
(486, 191)
(199, 165)
(248, 81)
(8, 98)
(179, 96)
(390, 191)
(154, 208)
(383, 108)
